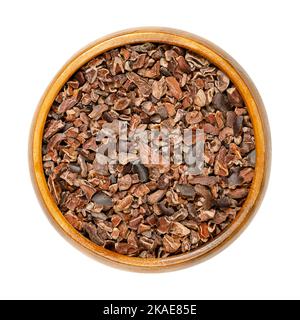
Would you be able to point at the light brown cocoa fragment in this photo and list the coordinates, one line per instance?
(147, 243)
(159, 88)
(203, 180)
(125, 182)
(179, 229)
(67, 104)
(174, 87)
(163, 225)
(134, 223)
(123, 204)
(74, 220)
(170, 244)
(53, 127)
(156, 196)
(141, 191)
(170, 109)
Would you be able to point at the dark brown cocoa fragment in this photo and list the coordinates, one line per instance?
(88, 190)
(220, 217)
(183, 65)
(234, 97)
(142, 172)
(224, 202)
(102, 199)
(210, 129)
(194, 237)
(165, 209)
(121, 104)
(163, 182)
(55, 189)
(141, 190)
(163, 225)
(193, 117)
(250, 159)
(238, 125)
(179, 229)
(152, 72)
(159, 88)
(186, 190)
(206, 215)
(220, 102)
(91, 230)
(116, 219)
(79, 76)
(170, 109)
(235, 179)
(222, 81)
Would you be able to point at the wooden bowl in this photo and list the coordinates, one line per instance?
(256, 111)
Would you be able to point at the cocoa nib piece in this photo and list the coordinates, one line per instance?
(186, 190)
(53, 127)
(156, 196)
(123, 204)
(121, 104)
(238, 193)
(102, 199)
(67, 104)
(142, 84)
(142, 172)
(171, 244)
(174, 87)
(147, 243)
(204, 180)
(92, 232)
(159, 88)
(163, 225)
(118, 160)
(165, 209)
(179, 229)
(183, 65)
(74, 220)
(220, 102)
(125, 182)
(125, 248)
(238, 125)
(234, 97)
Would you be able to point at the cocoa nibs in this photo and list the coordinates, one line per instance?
(129, 204)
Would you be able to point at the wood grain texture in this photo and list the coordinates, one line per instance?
(256, 111)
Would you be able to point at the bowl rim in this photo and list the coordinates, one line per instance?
(256, 112)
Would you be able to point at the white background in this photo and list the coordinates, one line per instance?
(37, 37)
